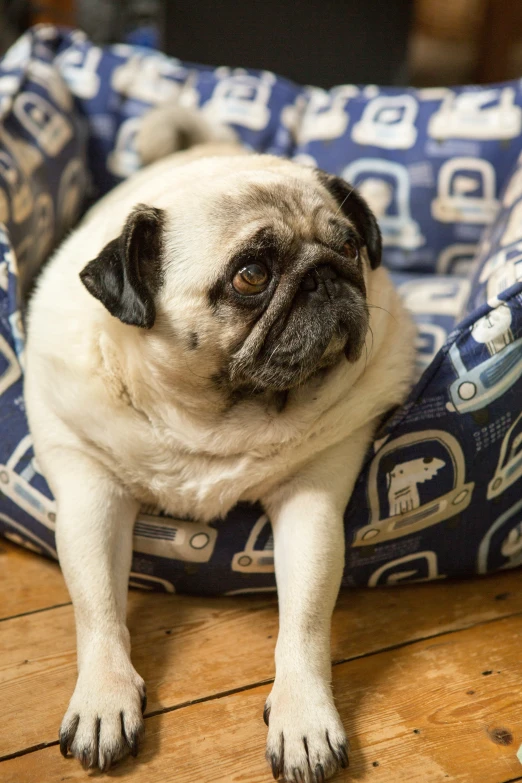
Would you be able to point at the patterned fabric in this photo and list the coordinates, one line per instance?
(440, 492)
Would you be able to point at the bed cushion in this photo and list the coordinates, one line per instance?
(432, 162)
(439, 493)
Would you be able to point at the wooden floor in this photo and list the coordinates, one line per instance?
(427, 678)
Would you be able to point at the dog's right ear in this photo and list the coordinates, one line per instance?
(352, 204)
(127, 273)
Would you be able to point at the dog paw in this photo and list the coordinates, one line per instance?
(306, 739)
(104, 720)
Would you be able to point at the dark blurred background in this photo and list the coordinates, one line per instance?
(321, 42)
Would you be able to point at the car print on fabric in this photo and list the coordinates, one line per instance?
(402, 494)
(509, 467)
(385, 186)
(388, 121)
(258, 555)
(439, 493)
(477, 114)
(476, 387)
(466, 192)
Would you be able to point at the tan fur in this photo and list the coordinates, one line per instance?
(123, 417)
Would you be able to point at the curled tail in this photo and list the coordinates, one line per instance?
(170, 128)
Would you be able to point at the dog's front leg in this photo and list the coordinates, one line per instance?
(94, 538)
(306, 740)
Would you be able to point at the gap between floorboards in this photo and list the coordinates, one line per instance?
(35, 611)
(251, 686)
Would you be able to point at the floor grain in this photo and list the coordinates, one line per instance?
(428, 680)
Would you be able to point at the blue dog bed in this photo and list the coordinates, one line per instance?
(440, 491)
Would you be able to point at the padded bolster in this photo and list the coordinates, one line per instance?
(439, 493)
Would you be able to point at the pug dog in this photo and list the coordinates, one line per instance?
(217, 329)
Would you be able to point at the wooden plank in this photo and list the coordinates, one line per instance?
(191, 648)
(28, 582)
(440, 710)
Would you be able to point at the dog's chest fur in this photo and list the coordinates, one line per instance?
(200, 464)
(164, 448)
(183, 466)
(190, 484)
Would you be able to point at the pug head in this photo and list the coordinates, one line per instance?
(254, 268)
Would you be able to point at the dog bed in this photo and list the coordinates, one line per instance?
(440, 491)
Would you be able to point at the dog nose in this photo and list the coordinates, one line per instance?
(320, 276)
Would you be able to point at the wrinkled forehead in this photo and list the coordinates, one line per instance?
(214, 222)
(289, 208)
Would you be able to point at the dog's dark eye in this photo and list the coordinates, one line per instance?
(350, 250)
(251, 279)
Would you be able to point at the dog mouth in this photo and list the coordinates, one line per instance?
(305, 351)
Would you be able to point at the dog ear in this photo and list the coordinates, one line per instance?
(127, 273)
(357, 210)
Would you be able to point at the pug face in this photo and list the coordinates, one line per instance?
(255, 265)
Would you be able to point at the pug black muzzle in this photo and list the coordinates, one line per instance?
(317, 314)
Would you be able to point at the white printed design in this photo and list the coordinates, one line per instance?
(176, 539)
(9, 86)
(50, 130)
(23, 536)
(48, 77)
(513, 230)
(509, 467)
(71, 192)
(386, 187)
(256, 560)
(17, 333)
(428, 341)
(514, 188)
(18, 161)
(466, 192)
(477, 114)
(10, 370)
(161, 536)
(319, 115)
(403, 481)
(27, 155)
(16, 485)
(457, 259)
(474, 389)
(18, 191)
(150, 79)
(124, 159)
(252, 590)
(8, 265)
(408, 568)
(389, 122)
(435, 296)
(241, 99)
(510, 549)
(149, 582)
(406, 513)
(78, 67)
(17, 54)
(44, 224)
(501, 271)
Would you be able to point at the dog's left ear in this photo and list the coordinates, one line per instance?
(357, 210)
(127, 273)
